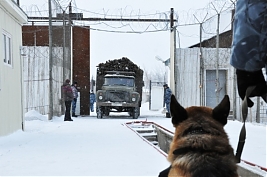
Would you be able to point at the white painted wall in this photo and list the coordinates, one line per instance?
(11, 90)
(188, 92)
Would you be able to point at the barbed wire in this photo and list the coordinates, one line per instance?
(205, 15)
(124, 31)
(120, 13)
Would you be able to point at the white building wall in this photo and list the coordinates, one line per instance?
(188, 80)
(188, 66)
(11, 90)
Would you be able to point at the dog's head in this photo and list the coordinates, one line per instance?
(199, 129)
(200, 146)
(219, 113)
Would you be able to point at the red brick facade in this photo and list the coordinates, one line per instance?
(39, 36)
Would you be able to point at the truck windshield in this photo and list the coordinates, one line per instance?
(119, 81)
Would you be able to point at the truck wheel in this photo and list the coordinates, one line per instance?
(135, 113)
(106, 112)
(99, 113)
(138, 111)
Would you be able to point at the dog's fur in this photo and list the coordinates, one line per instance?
(200, 146)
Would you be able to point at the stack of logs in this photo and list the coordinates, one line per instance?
(123, 64)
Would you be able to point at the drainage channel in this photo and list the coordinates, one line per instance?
(146, 130)
(155, 135)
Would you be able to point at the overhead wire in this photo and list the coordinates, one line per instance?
(183, 19)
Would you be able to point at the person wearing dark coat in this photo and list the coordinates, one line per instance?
(249, 51)
(68, 97)
(167, 99)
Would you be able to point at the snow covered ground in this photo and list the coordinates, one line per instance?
(101, 147)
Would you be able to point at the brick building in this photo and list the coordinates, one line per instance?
(77, 61)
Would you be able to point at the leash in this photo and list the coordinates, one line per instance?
(242, 135)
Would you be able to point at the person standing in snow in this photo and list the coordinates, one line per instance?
(167, 99)
(68, 97)
(92, 100)
(75, 96)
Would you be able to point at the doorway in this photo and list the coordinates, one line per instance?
(211, 87)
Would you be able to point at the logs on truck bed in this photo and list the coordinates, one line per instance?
(123, 64)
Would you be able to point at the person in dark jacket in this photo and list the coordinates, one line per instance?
(75, 96)
(249, 49)
(92, 100)
(167, 99)
(68, 97)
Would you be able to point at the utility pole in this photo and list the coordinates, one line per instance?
(70, 45)
(173, 62)
(64, 59)
(201, 84)
(50, 115)
(234, 82)
(64, 45)
(201, 72)
(217, 82)
(217, 61)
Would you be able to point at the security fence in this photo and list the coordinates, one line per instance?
(36, 78)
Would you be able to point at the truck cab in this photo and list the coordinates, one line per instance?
(118, 94)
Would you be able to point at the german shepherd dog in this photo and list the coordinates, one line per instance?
(200, 146)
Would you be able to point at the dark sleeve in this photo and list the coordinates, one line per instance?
(165, 172)
(249, 29)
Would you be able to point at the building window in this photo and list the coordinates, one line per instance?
(7, 50)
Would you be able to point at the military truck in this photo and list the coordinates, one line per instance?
(119, 85)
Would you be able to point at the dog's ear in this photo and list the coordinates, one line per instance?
(221, 111)
(178, 113)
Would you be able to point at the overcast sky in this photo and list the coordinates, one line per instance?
(113, 40)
